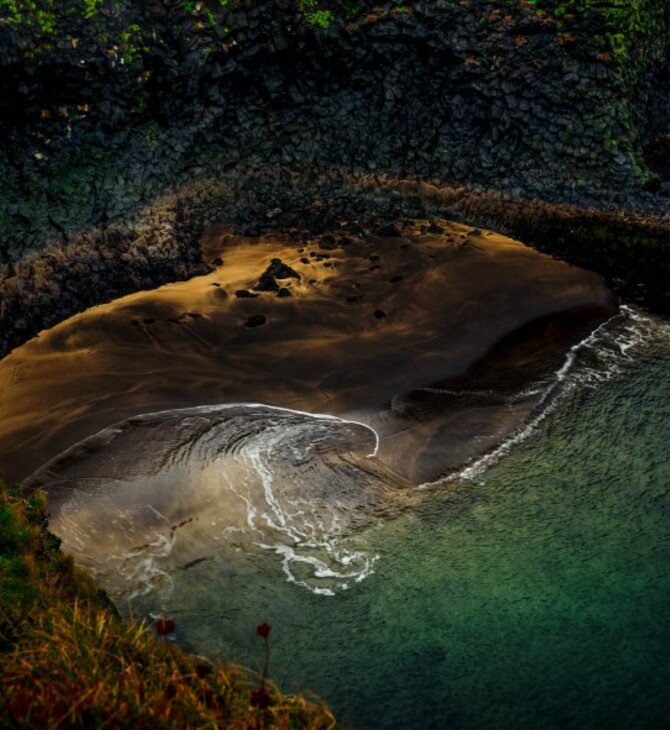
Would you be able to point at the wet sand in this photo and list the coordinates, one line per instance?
(367, 327)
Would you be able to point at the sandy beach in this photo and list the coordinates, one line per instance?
(398, 327)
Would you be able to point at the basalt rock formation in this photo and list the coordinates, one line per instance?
(127, 128)
(119, 104)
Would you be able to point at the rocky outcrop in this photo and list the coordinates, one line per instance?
(488, 112)
(46, 287)
(491, 94)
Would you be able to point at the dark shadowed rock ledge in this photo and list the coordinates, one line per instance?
(628, 248)
(551, 129)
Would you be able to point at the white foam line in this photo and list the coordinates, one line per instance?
(266, 479)
(475, 469)
(199, 409)
(323, 416)
(151, 508)
(251, 510)
(321, 569)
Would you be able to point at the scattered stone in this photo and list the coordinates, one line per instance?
(396, 279)
(475, 232)
(380, 313)
(266, 283)
(248, 232)
(245, 294)
(353, 300)
(328, 243)
(218, 261)
(374, 257)
(279, 270)
(304, 261)
(194, 315)
(434, 228)
(390, 230)
(283, 292)
(256, 320)
(149, 321)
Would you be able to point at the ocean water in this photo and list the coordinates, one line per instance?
(529, 590)
(536, 595)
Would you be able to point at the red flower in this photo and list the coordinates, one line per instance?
(260, 697)
(164, 626)
(263, 630)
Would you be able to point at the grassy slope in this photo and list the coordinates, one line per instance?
(67, 660)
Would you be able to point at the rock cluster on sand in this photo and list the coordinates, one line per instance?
(354, 335)
(276, 270)
(164, 242)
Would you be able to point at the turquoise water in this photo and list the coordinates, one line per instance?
(534, 596)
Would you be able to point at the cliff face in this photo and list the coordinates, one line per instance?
(124, 101)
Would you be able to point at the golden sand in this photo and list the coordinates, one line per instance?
(355, 333)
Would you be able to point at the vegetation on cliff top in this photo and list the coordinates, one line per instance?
(624, 19)
(147, 41)
(67, 660)
(145, 44)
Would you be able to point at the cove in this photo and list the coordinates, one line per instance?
(531, 596)
(361, 503)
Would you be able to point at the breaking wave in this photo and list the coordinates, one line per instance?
(163, 492)
(606, 353)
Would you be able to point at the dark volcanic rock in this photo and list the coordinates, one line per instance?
(280, 270)
(276, 270)
(390, 230)
(256, 320)
(328, 243)
(267, 283)
(517, 101)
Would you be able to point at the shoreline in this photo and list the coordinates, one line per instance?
(350, 325)
(162, 246)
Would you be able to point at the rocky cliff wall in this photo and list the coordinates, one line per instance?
(498, 95)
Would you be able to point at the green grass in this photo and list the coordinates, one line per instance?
(68, 660)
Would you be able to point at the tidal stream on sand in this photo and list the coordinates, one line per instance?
(479, 540)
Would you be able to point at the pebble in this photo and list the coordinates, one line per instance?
(256, 320)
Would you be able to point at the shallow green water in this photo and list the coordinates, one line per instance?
(536, 597)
